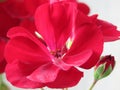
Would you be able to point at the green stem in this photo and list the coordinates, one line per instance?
(95, 81)
(42, 89)
(65, 89)
(1, 80)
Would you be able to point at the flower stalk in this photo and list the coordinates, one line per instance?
(3, 86)
(65, 89)
(0, 79)
(42, 89)
(93, 84)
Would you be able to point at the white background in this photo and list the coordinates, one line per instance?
(107, 10)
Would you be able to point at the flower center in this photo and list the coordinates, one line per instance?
(57, 54)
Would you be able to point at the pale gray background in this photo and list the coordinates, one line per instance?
(107, 10)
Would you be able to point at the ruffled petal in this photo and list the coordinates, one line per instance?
(26, 47)
(83, 8)
(109, 31)
(55, 22)
(17, 76)
(45, 73)
(66, 79)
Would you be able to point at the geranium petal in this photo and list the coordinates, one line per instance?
(17, 76)
(29, 25)
(30, 34)
(85, 39)
(45, 73)
(66, 79)
(44, 25)
(20, 31)
(78, 59)
(24, 46)
(83, 8)
(109, 31)
(82, 19)
(53, 25)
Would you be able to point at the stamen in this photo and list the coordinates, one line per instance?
(38, 35)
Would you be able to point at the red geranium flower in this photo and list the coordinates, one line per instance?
(32, 63)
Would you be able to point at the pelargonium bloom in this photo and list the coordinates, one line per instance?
(42, 58)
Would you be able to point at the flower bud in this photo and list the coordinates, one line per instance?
(104, 67)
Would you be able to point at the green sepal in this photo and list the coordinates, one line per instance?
(107, 72)
(99, 71)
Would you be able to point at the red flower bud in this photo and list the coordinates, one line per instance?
(104, 67)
